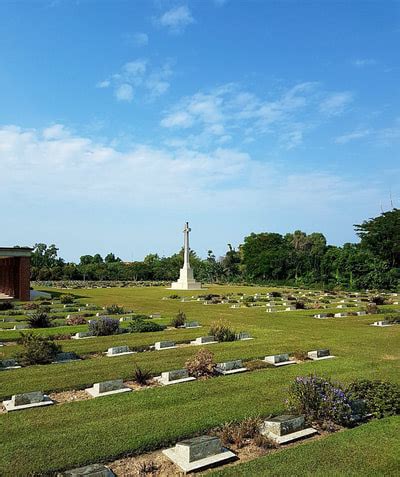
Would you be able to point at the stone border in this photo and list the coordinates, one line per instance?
(293, 436)
(94, 394)
(175, 381)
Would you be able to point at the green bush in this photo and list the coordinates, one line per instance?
(221, 331)
(67, 299)
(6, 305)
(381, 398)
(104, 326)
(178, 320)
(36, 349)
(39, 319)
(142, 326)
(320, 400)
(115, 310)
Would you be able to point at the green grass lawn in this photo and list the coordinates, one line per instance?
(369, 450)
(100, 429)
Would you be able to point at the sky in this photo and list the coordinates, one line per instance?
(120, 120)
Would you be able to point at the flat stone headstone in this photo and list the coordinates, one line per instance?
(286, 428)
(340, 315)
(382, 323)
(164, 345)
(20, 327)
(106, 388)
(66, 356)
(279, 359)
(82, 335)
(231, 367)
(26, 401)
(175, 377)
(361, 313)
(118, 351)
(243, 335)
(8, 363)
(94, 470)
(191, 324)
(202, 340)
(319, 354)
(321, 315)
(198, 453)
(155, 315)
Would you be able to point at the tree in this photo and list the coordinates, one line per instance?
(111, 258)
(381, 236)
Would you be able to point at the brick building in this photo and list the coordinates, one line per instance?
(15, 270)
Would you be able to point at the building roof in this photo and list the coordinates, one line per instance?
(15, 251)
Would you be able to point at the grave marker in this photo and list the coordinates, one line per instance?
(106, 388)
(27, 401)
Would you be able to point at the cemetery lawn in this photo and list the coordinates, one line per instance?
(68, 435)
(369, 450)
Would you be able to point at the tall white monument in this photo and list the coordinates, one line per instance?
(186, 280)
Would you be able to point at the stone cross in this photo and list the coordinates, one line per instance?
(186, 247)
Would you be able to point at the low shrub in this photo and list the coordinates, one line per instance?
(104, 326)
(31, 305)
(115, 310)
(141, 376)
(276, 294)
(221, 331)
(381, 398)
(300, 305)
(319, 400)
(202, 364)
(39, 319)
(36, 349)
(142, 326)
(61, 337)
(178, 320)
(378, 300)
(299, 355)
(67, 299)
(6, 305)
(145, 468)
(174, 297)
(76, 320)
(264, 442)
(239, 433)
(371, 308)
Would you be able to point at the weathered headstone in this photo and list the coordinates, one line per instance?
(382, 323)
(105, 388)
(319, 354)
(286, 428)
(160, 345)
(118, 351)
(8, 364)
(26, 401)
(204, 340)
(66, 357)
(243, 336)
(191, 324)
(175, 377)
(230, 367)
(198, 453)
(279, 359)
(82, 335)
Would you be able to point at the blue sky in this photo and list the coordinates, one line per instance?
(120, 120)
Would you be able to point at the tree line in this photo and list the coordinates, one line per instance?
(267, 258)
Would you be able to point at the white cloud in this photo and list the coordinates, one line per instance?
(176, 19)
(141, 77)
(336, 103)
(103, 84)
(358, 134)
(124, 92)
(286, 116)
(180, 119)
(147, 183)
(57, 131)
(361, 62)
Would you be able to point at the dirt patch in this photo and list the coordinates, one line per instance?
(131, 466)
(138, 387)
(390, 357)
(69, 396)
